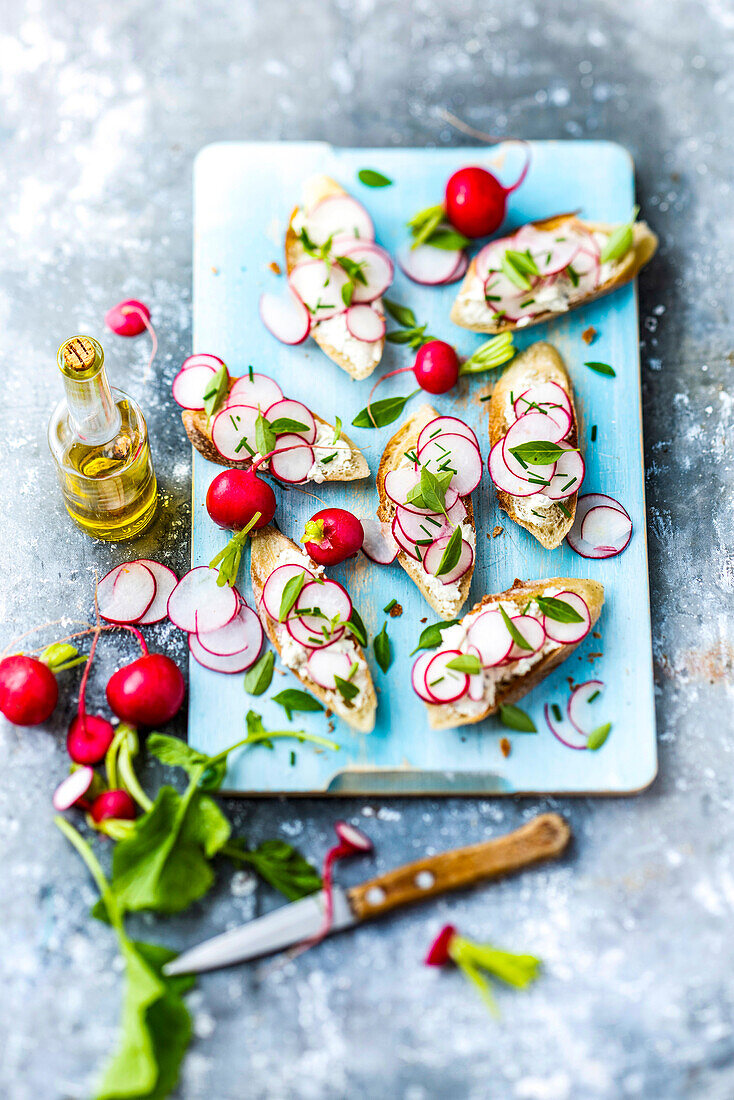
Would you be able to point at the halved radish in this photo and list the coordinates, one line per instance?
(203, 358)
(418, 676)
(583, 507)
(287, 409)
(376, 267)
(445, 685)
(285, 316)
(581, 713)
(242, 635)
(126, 592)
(312, 632)
(489, 635)
(319, 286)
(74, 787)
(365, 323)
(532, 631)
(292, 460)
(427, 265)
(272, 593)
(419, 528)
(434, 553)
(378, 543)
(549, 395)
(606, 528)
(405, 544)
(456, 453)
(567, 477)
(328, 597)
(569, 633)
(445, 425)
(198, 604)
(236, 662)
(165, 582)
(189, 386)
(398, 483)
(324, 664)
(504, 479)
(233, 432)
(260, 391)
(563, 731)
(476, 679)
(339, 216)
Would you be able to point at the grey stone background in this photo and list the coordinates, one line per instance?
(102, 109)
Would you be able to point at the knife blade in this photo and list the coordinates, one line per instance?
(544, 837)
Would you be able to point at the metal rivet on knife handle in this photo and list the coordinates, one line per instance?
(542, 838)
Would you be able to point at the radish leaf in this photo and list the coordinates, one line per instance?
(279, 864)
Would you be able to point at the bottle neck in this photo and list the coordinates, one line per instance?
(93, 414)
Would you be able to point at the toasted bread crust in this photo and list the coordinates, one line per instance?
(267, 545)
(405, 438)
(540, 362)
(445, 716)
(644, 246)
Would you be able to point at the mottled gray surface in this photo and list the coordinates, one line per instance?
(103, 108)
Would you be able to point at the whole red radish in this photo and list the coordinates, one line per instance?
(436, 367)
(28, 690)
(476, 201)
(113, 804)
(89, 738)
(333, 535)
(147, 692)
(235, 496)
(128, 318)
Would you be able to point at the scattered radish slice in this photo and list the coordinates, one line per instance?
(365, 323)
(189, 386)
(489, 635)
(197, 603)
(606, 528)
(567, 734)
(259, 391)
(340, 217)
(569, 633)
(292, 460)
(285, 316)
(581, 713)
(587, 549)
(242, 636)
(272, 593)
(73, 788)
(324, 664)
(460, 271)
(286, 408)
(377, 268)
(234, 432)
(165, 582)
(443, 684)
(428, 265)
(434, 553)
(126, 592)
(378, 544)
(237, 662)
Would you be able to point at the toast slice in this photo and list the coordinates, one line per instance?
(271, 548)
(470, 309)
(507, 684)
(353, 467)
(447, 604)
(538, 363)
(355, 357)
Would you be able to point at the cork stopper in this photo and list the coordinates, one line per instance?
(79, 353)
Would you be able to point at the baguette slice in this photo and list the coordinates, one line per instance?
(199, 433)
(538, 363)
(315, 190)
(644, 246)
(267, 546)
(393, 455)
(450, 715)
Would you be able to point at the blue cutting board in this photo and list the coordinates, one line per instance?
(244, 193)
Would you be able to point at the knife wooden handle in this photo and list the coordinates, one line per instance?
(542, 838)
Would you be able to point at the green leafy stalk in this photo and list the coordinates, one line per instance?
(492, 354)
(471, 958)
(228, 559)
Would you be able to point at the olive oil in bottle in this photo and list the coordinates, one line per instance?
(99, 441)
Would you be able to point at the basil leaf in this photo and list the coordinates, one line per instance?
(598, 736)
(291, 592)
(618, 245)
(259, 677)
(370, 178)
(514, 632)
(284, 424)
(357, 628)
(294, 700)
(382, 412)
(516, 719)
(538, 452)
(558, 610)
(216, 391)
(522, 262)
(383, 650)
(452, 553)
(347, 690)
(401, 314)
(402, 336)
(448, 239)
(602, 368)
(347, 292)
(264, 435)
(431, 635)
(430, 492)
(467, 663)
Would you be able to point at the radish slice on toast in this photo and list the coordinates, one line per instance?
(569, 633)
(443, 684)
(189, 386)
(532, 631)
(259, 391)
(319, 286)
(234, 432)
(365, 323)
(376, 267)
(434, 553)
(339, 216)
(489, 635)
(455, 453)
(418, 677)
(324, 665)
(203, 359)
(272, 593)
(288, 409)
(292, 459)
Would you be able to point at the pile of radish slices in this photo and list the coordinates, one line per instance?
(321, 288)
(136, 593)
(225, 634)
(445, 443)
(602, 527)
(542, 413)
(431, 266)
(486, 636)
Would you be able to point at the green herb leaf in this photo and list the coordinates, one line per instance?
(513, 274)
(357, 628)
(380, 413)
(383, 649)
(514, 632)
(618, 245)
(216, 392)
(264, 435)
(558, 610)
(346, 689)
(401, 314)
(522, 262)
(347, 292)
(430, 492)
(538, 452)
(259, 677)
(292, 700)
(448, 239)
(467, 662)
(370, 178)
(598, 736)
(291, 592)
(423, 224)
(279, 864)
(283, 425)
(516, 719)
(602, 368)
(431, 635)
(452, 553)
(337, 430)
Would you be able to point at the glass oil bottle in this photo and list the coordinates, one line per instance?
(99, 442)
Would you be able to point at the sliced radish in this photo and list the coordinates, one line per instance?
(445, 685)
(419, 528)
(292, 460)
(365, 323)
(587, 267)
(489, 258)
(456, 513)
(502, 296)
(165, 582)
(405, 544)
(532, 631)
(74, 787)
(581, 712)
(563, 731)
(312, 632)
(272, 593)
(445, 425)
(583, 507)
(197, 603)
(236, 662)
(126, 592)
(287, 409)
(398, 483)
(189, 386)
(328, 597)
(427, 265)
(260, 391)
(376, 267)
(567, 477)
(339, 216)
(504, 479)
(324, 664)
(606, 528)
(552, 252)
(569, 633)
(456, 453)
(319, 286)
(203, 359)
(378, 543)
(434, 553)
(285, 316)
(242, 636)
(234, 432)
(476, 679)
(489, 635)
(460, 271)
(353, 837)
(533, 427)
(549, 395)
(418, 676)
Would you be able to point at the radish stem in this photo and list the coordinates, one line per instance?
(129, 780)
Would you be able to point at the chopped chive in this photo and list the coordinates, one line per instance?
(556, 712)
(564, 509)
(593, 432)
(293, 758)
(596, 695)
(389, 606)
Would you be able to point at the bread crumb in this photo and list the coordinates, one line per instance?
(328, 712)
(275, 268)
(595, 634)
(424, 620)
(588, 335)
(396, 611)
(497, 531)
(215, 271)
(591, 657)
(505, 747)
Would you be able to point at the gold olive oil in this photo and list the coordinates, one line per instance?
(99, 441)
